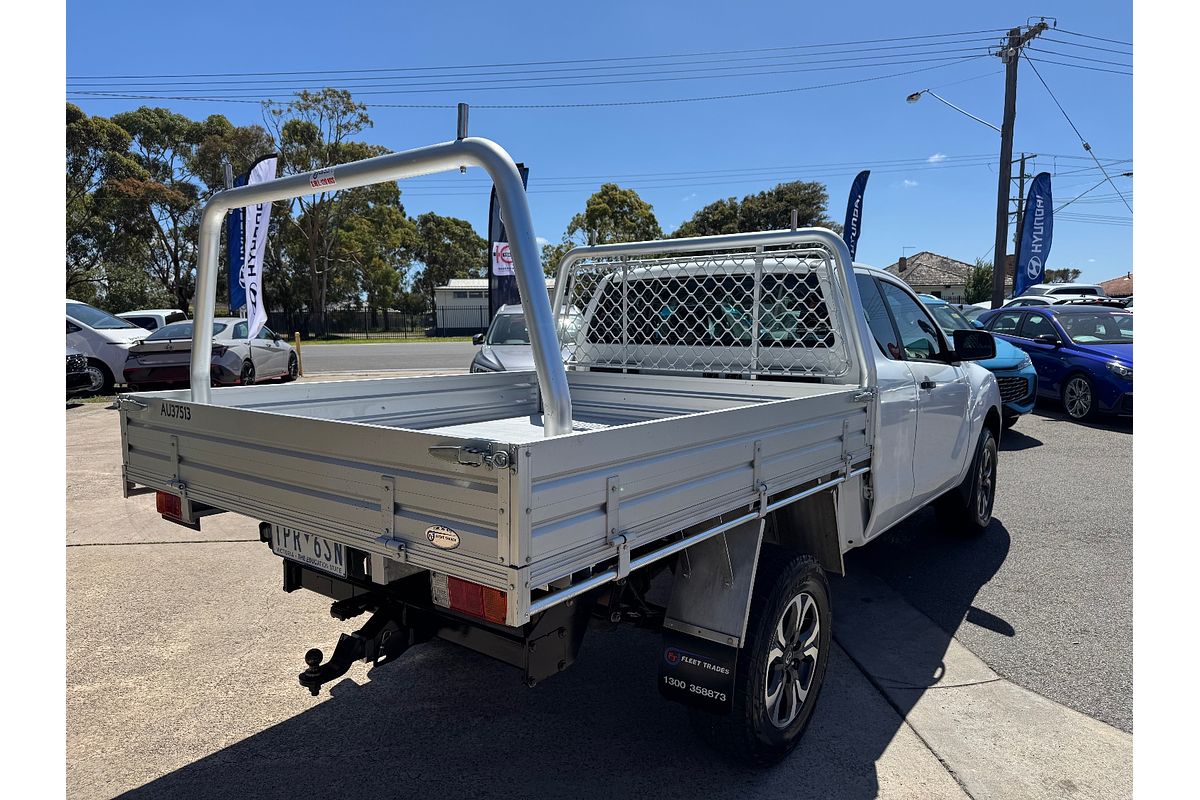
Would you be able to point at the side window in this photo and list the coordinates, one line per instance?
(265, 333)
(72, 327)
(877, 317)
(240, 330)
(1035, 325)
(1005, 322)
(918, 333)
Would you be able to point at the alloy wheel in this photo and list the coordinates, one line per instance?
(1078, 397)
(792, 661)
(986, 484)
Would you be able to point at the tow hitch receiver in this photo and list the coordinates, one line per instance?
(379, 641)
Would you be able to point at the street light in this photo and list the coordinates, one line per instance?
(915, 96)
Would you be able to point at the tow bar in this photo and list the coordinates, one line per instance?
(378, 642)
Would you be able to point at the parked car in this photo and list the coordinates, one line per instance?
(1013, 368)
(973, 312)
(1065, 290)
(1028, 300)
(506, 343)
(104, 340)
(79, 379)
(153, 318)
(1083, 355)
(166, 355)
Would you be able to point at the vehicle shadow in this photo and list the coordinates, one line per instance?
(445, 722)
(921, 569)
(1013, 439)
(1104, 423)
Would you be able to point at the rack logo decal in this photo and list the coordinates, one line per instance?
(443, 537)
(322, 179)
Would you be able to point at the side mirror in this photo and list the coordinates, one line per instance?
(1047, 338)
(477, 338)
(973, 345)
(977, 323)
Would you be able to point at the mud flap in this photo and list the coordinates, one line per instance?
(697, 672)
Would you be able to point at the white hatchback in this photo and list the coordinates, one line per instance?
(105, 341)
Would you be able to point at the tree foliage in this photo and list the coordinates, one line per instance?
(979, 282)
(768, 210)
(1065, 275)
(447, 247)
(614, 214)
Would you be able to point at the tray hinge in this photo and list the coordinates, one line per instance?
(759, 486)
(622, 543)
(612, 509)
(387, 504)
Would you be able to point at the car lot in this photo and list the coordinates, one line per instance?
(174, 691)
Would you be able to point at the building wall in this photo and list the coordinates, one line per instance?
(956, 293)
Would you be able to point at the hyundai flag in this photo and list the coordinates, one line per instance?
(502, 279)
(256, 223)
(854, 210)
(1037, 231)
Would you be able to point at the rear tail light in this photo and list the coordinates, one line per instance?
(169, 505)
(469, 598)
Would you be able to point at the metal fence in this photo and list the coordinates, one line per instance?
(377, 324)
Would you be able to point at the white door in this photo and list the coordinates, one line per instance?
(891, 461)
(943, 394)
(270, 356)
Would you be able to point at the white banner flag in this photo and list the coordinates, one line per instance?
(257, 221)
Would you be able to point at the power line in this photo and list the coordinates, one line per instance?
(1081, 58)
(482, 86)
(536, 63)
(1080, 66)
(704, 65)
(1087, 46)
(597, 104)
(1088, 36)
(1083, 141)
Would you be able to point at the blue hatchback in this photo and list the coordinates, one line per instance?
(1015, 375)
(1083, 354)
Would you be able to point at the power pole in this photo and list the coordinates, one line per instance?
(1010, 54)
(1020, 226)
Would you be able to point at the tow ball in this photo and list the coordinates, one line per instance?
(379, 641)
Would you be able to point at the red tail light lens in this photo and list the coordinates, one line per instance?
(169, 505)
(471, 598)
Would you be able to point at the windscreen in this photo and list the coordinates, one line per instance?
(95, 318)
(948, 317)
(508, 329)
(1098, 328)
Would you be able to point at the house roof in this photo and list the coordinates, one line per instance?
(478, 283)
(930, 269)
(1118, 287)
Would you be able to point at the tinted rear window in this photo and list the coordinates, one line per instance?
(180, 330)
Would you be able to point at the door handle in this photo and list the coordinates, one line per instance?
(928, 384)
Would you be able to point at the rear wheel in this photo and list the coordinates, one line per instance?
(293, 371)
(781, 667)
(101, 378)
(1079, 398)
(247, 373)
(1010, 419)
(968, 508)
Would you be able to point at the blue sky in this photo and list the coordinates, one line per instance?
(933, 183)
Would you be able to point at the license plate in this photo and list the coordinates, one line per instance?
(313, 551)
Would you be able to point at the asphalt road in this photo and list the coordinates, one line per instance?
(319, 358)
(1045, 595)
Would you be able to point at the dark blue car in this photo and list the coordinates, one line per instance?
(1083, 354)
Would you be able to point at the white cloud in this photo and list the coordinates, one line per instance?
(542, 241)
(1091, 261)
(685, 198)
(907, 184)
(936, 158)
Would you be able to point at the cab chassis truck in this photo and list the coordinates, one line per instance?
(723, 418)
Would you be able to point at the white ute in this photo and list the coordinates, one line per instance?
(735, 413)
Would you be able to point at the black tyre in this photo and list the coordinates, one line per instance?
(247, 373)
(102, 379)
(293, 368)
(1009, 420)
(968, 508)
(781, 668)
(1079, 397)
